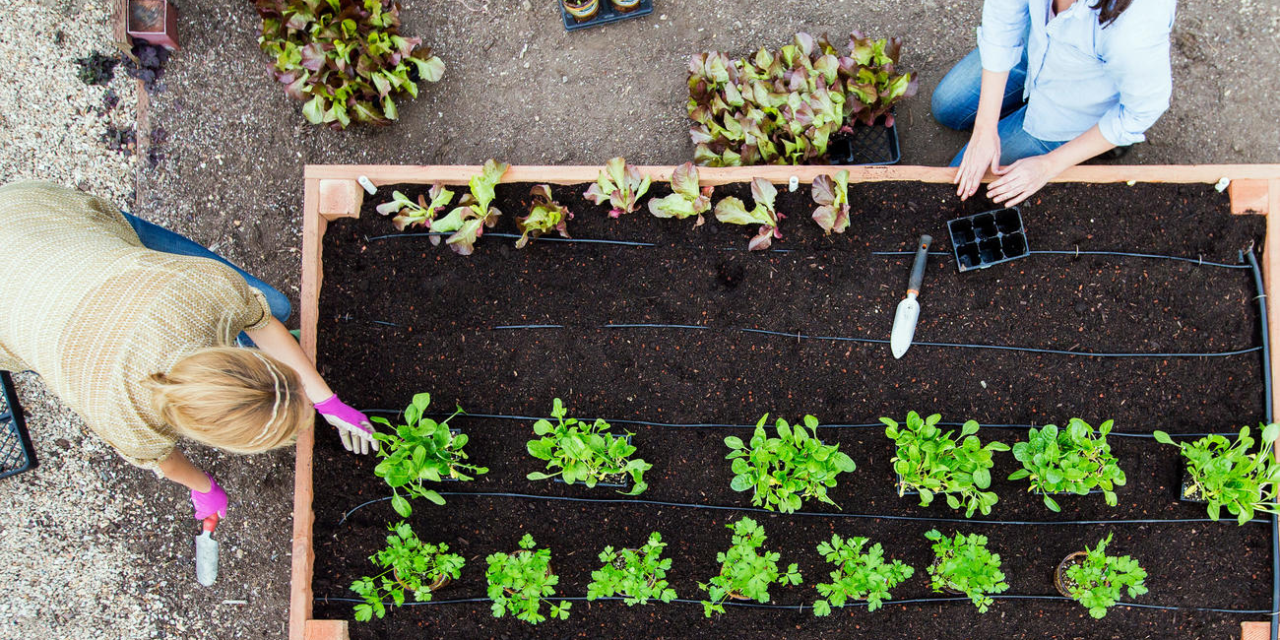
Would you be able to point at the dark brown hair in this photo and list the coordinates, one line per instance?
(1109, 10)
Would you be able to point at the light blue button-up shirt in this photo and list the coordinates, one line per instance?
(1079, 73)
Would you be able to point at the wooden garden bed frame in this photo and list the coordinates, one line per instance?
(332, 192)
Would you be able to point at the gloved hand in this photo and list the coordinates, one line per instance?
(210, 502)
(353, 427)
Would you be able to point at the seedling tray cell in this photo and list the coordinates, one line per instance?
(867, 145)
(605, 15)
(1184, 486)
(989, 238)
(16, 455)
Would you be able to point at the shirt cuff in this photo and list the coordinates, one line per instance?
(1112, 128)
(997, 57)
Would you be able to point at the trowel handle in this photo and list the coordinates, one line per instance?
(917, 269)
(210, 523)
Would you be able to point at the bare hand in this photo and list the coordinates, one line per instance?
(982, 153)
(1021, 180)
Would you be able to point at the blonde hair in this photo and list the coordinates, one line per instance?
(238, 400)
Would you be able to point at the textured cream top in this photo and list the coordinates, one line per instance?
(95, 313)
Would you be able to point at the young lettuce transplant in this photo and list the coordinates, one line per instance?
(1227, 475)
(416, 214)
(745, 571)
(545, 215)
(873, 80)
(931, 462)
(782, 472)
(519, 581)
(1071, 460)
(964, 564)
(860, 574)
(1097, 581)
(637, 575)
(474, 213)
(345, 59)
(584, 452)
(619, 184)
(410, 566)
(420, 450)
(832, 197)
(731, 210)
(686, 199)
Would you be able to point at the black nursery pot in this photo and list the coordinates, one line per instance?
(865, 145)
(989, 238)
(1188, 485)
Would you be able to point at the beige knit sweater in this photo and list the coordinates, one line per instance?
(95, 313)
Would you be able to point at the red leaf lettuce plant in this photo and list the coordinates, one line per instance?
(619, 184)
(474, 213)
(545, 215)
(733, 211)
(686, 199)
(832, 197)
(416, 214)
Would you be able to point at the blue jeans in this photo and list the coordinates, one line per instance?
(158, 238)
(955, 105)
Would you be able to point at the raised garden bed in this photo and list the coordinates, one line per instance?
(403, 317)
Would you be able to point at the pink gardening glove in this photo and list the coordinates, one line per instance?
(210, 502)
(353, 427)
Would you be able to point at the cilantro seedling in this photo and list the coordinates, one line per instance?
(1096, 582)
(861, 574)
(410, 566)
(964, 564)
(519, 582)
(745, 571)
(638, 575)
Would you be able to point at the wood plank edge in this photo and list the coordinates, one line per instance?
(300, 594)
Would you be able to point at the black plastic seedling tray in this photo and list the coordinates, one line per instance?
(867, 145)
(989, 238)
(16, 454)
(605, 15)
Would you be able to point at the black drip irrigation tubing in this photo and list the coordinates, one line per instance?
(1266, 383)
(1078, 253)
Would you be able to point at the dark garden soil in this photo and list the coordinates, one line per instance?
(399, 316)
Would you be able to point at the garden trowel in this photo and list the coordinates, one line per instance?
(207, 552)
(904, 322)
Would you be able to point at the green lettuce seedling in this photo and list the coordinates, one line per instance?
(932, 462)
(474, 213)
(964, 564)
(686, 199)
(1096, 583)
(1071, 460)
(1227, 475)
(874, 83)
(859, 574)
(832, 197)
(410, 566)
(619, 184)
(545, 215)
(415, 214)
(745, 571)
(519, 582)
(420, 450)
(784, 471)
(583, 452)
(732, 211)
(638, 575)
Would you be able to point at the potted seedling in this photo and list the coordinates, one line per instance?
(421, 450)
(832, 197)
(731, 210)
(964, 565)
(1095, 579)
(637, 575)
(686, 199)
(545, 215)
(581, 10)
(861, 574)
(585, 452)
(519, 581)
(409, 214)
(1225, 474)
(626, 6)
(409, 566)
(784, 471)
(475, 211)
(1068, 461)
(745, 571)
(620, 185)
(930, 461)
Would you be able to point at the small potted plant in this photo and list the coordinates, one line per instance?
(964, 565)
(626, 6)
(518, 582)
(784, 471)
(410, 566)
(421, 450)
(1095, 579)
(638, 575)
(929, 461)
(1069, 461)
(745, 571)
(861, 574)
(581, 10)
(1224, 474)
(586, 452)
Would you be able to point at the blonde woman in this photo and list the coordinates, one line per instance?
(136, 328)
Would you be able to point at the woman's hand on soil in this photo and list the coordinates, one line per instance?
(353, 427)
(982, 153)
(209, 502)
(1021, 180)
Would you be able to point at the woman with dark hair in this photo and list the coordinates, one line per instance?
(1052, 84)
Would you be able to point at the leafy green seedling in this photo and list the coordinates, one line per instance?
(875, 84)
(545, 215)
(930, 461)
(638, 575)
(621, 185)
(587, 453)
(416, 214)
(686, 199)
(1097, 581)
(832, 197)
(410, 566)
(861, 574)
(745, 571)
(519, 582)
(474, 213)
(1071, 460)
(420, 450)
(784, 471)
(732, 211)
(1227, 475)
(964, 564)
